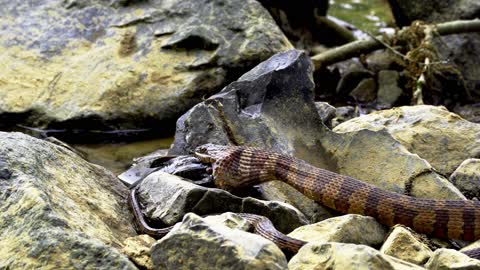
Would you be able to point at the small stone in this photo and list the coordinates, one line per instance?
(402, 244)
(388, 89)
(349, 228)
(343, 114)
(137, 249)
(342, 256)
(365, 91)
(326, 112)
(199, 244)
(467, 178)
(446, 259)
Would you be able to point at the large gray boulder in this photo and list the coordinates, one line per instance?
(107, 65)
(58, 211)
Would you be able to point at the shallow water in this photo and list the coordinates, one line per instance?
(367, 15)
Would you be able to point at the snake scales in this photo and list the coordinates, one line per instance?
(235, 167)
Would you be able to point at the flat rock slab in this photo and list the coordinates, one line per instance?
(58, 211)
(107, 65)
(443, 138)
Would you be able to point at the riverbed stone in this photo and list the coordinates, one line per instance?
(402, 243)
(442, 138)
(167, 198)
(138, 248)
(388, 88)
(58, 211)
(467, 178)
(96, 65)
(446, 259)
(355, 229)
(199, 244)
(341, 256)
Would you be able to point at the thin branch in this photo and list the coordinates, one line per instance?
(357, 48)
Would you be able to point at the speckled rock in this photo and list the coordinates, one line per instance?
(388, 89)
(168, 198)
(345, 256)
(199, 244)
(137, 249)
(401, 243)
(58, 211)
(467, 178)
(442, 138)
(365, 91)
(447, 259)
(326, 112)
(343, 114)
(355, 229)
(97, 65)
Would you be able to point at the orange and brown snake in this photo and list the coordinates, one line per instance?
(235, 166)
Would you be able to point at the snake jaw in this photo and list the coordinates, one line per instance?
(211, 153)
(215, 155)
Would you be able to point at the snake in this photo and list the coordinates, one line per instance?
(238, 167)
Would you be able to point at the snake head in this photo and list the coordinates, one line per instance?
(220, 156)
(210, 153)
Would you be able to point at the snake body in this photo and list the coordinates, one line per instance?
(235, 167)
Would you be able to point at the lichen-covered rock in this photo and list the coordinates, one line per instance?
(137, 249)
(355, 229)
(401, 243)
(442, 138)
(199, 244)
(447, 259)
(467, 178)
(92, 65)
(168, 198)
(341, 256)
(58, 211)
